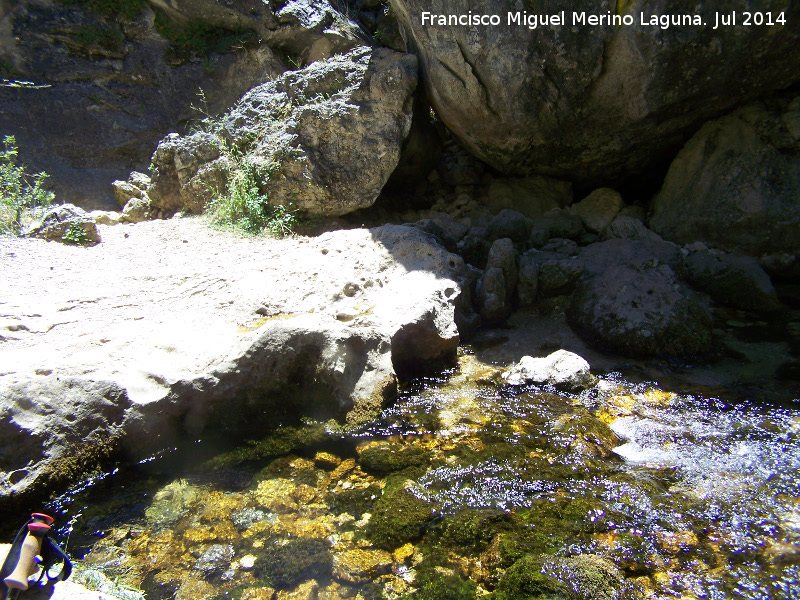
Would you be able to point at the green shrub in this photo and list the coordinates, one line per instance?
(245, 207)
(19, 191)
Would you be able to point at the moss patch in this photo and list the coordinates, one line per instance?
(526, 580)
(388, 458)
(283, 440)
(284, 565)
(471, 531)
(399, 517)
(355, 501)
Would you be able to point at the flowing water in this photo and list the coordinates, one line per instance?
(464, 488)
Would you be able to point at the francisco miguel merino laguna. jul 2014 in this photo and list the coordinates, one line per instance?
(534, 21)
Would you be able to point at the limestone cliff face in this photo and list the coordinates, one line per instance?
(104, 88)
(594, 103)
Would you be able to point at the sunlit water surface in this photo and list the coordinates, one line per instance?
(455, 489)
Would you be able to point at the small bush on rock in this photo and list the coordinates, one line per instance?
(244, 207)
(19, 191)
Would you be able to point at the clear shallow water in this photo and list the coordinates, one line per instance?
(466, 488)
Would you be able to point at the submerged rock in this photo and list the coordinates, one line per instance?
(399, 516)
(361, 565)
(582, 577)
(247, 517)
(171, 503)
(214, 560)
(565, 370)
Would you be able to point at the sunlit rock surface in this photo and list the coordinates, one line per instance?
(201, 336)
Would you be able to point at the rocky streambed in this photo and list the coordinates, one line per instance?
(466, 487)
(303, 419)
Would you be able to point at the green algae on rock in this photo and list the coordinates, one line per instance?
(399, 517)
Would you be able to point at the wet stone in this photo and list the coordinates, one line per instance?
(360, 566)
(247, 517)
(326, 460)
(262, 593)
(214, 560)
(305, 591)
(285, 564)
(276, 495)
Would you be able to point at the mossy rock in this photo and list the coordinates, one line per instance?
(283, 566)
(399, 517)
(355, 501)
(281, 441)
(435, 581)
(590, 430)
(568, 516)
(440, 586)
(583, 577)
(389, 458)
(526, 580)
(471, 531)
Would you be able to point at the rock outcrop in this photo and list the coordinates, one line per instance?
(324, 139)
(220, 339)
(595, 104)
(106, 84)
(736, 184)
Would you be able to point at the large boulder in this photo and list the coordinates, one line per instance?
(593, 103)
(598, 209)
(737, 281)
(736, 184)
(223, 338)
(630, 300)
(325, 138)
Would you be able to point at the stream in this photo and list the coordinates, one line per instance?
(464, 488)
